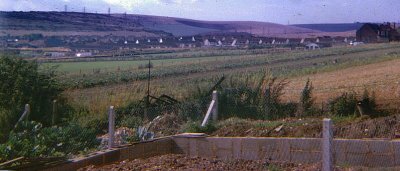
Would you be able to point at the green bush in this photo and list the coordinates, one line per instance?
(368, 105)
(22, 83)
(306, 105)
(191, 110)
(31, 140)
(130, 121)
(256, 102)
(343, 105)
(99, 124)
(238, 102)
(195, 127)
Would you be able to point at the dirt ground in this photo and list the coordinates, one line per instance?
(181, 162)
(362, 127)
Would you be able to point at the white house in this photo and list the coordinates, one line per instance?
(83, 54)
(312, 46)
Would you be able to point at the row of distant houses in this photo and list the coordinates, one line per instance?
(368, 33)
(114, 42)
(242, 41)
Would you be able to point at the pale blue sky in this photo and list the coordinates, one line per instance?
(277, 11)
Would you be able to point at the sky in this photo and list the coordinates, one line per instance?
(276, 11)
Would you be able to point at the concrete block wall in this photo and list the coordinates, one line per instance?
(369, 153)
(297, 150)
(139, 150)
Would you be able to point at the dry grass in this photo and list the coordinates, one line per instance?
(382, 78)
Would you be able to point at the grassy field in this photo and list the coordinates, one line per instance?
(326, 68)
(158, 59)
(281, 64)
(85, 67)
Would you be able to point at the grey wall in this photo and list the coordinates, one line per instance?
(370, 153)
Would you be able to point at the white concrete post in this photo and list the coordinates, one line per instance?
(215, 109)
(327, 143)
(28, 111)
(24, 115)
(111, 122)
(53, 118)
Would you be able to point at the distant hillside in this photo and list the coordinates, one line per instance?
(75, 23)
(339, 27)
(185, 27)
(71, 23)
(60, 21)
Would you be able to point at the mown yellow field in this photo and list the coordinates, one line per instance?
(382, 78)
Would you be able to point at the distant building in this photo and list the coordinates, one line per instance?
(55, 54)
(83, 54)
(207, 42)
(312, 46)
(372, 33)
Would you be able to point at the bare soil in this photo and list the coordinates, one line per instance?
(350, 128)
(182, 162)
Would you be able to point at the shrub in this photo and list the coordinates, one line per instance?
(343, 105)
(98, 124)
(195, 127)
(306, 105)
(238, 102)
(269, 104)
(31, 139)
(130, 121)
(22, 83)
(368, 105)
(191, 110)
(256, 102)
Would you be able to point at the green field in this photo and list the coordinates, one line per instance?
(182, 77)
(76, 67)
(100, 73)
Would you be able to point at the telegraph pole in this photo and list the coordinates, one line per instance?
(146, 110)
(148, 83)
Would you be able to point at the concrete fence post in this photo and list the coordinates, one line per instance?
(28, 111)
(111, 123)
(53, 119)
(215, 109)
(24, 115)
(327, 143)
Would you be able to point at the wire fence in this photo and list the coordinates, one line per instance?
(69, 141)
